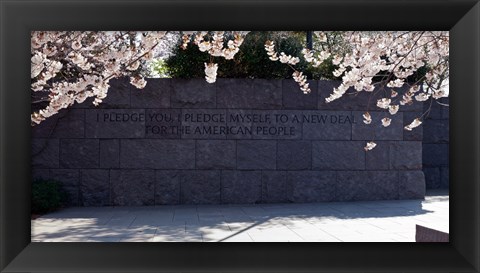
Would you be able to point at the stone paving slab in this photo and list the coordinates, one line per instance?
(372, 221)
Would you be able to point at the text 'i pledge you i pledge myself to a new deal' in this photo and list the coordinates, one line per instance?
(275, 123)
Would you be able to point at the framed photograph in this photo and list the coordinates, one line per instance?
(117, 141)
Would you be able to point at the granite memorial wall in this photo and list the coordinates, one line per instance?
(235, 141)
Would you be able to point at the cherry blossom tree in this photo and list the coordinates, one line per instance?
(68, 67)
(71, 66)
(392, 56)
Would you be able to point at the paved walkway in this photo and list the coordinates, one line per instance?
(376, 221)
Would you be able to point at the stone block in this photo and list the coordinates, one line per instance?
(294, 155)
(163, 123)
(45, 153)
(414, 107)
(435, 155)
(67, 123)
(416, 133)
(276, 124)
(310, 186)
(366, 185)
(436, 177)
(256, 154)
(157, 154)
(156, 94)
(294, 98)
(200, 187)
(79, 153)
(375, 130)
(249, 93)
(432, 177)
(204, 124)
(379, 157)
(274, 187)
(240, 122)
(115, 123)
(167, 187)
(109, 153)
(40, 174)
(241, 187)
(215, 154)
(445, 177)
(193, 93)
(327, 125)
(411, 185)
(70, 180)
(406, 155)
(436, 131)
(338, 155)
(437, 110)
(95, 188)
(132, 187)
(445, 109)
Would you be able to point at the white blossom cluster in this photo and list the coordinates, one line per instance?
(395, 56)
(213, 44)
(288, 59)
(384, 103)
(71, 66)
(367, 118)
(211, 72)
(283, 58)
(302, 81)
(386, 122)
(415, 123)
(317, 60)
(393, 109)
(270, 48)
(186, 38)
(370, 145)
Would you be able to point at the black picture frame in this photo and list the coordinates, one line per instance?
(18, 18)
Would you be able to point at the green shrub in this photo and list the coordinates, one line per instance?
(250, 62)
(47, 196)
